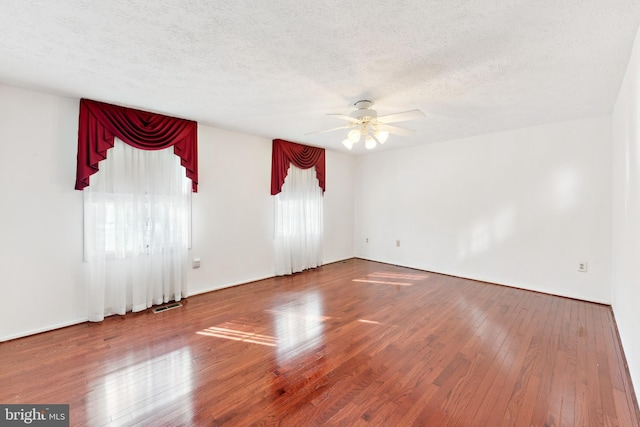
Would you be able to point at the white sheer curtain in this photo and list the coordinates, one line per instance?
(298, 228)
(136, 230)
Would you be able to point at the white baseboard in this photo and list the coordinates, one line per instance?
(228, 285)
(45, 329)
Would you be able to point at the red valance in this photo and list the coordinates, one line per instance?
(302, 156)
(99, 123)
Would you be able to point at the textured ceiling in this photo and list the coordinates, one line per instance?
(276, 68)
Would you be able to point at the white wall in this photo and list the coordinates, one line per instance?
(626, 214)
(232, 231)
(520, 208)
(41, 267)
(338, 207)
(40, 213)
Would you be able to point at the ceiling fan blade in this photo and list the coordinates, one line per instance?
(328, 130)
(396, 130)
(401, 117)
(344, 117)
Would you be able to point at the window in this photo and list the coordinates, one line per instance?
(299, 222)
(137, 229)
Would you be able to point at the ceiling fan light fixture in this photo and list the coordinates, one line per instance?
(354, 135)
(370, 143)
(365, 122)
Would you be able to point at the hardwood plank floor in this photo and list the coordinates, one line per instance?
(350, 343)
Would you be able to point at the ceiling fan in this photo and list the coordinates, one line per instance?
(364, 122)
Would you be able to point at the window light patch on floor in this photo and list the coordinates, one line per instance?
(384, 282)
(233, 332)
(405, 276)
(390, 278)
(369, 321)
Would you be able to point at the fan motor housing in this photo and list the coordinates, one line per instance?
(363, 112)
(364, 115)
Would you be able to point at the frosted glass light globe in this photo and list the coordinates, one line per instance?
(347, 143)
(370, 143)
(382, 136)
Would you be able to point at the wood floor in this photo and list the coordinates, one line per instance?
(351, 343)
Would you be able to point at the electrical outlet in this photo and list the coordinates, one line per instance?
(582, 267)
(196, 263)
(366, 240)
(397, 243)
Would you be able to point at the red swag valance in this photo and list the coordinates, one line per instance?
(99, 123)
(302, 156)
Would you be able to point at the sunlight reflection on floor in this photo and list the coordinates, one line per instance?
(231, 332)
(384, 282)
(380, 276)
(134, 390)
(298, 324)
